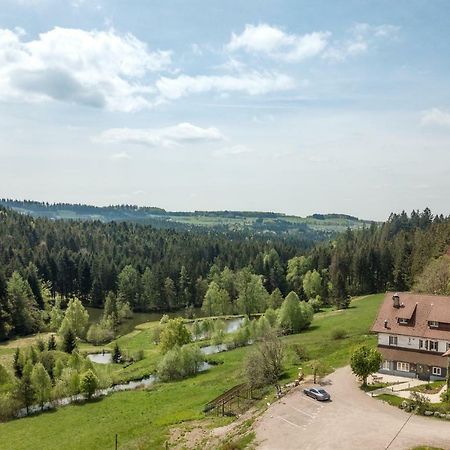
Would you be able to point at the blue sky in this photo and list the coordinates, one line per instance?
(290, 106)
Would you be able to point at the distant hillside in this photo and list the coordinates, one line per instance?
(315, 227)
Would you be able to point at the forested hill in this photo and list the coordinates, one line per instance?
(84, 258)
(150, 269)
(315, 227)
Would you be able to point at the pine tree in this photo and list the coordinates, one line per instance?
(117, 355)
(17, 363)
(69, 342)
(51, 344)
(24, 390)
(41, 383)
(24, 312)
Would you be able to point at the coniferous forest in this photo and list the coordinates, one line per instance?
(160, 270)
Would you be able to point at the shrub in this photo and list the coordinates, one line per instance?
(174, 333)
(316, 303)
(196, 330)
(295, 315)
(342, 303)
(218, 337)
(241, 337)
(300, 352)
(445, 396)
(156, 333)
(88, 383)
(338, 333)
(164, 319)
(97, 334)
(418, 402)
(8, 406)
(272, 316)
(180, 363)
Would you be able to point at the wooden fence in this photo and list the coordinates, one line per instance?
(225, 403)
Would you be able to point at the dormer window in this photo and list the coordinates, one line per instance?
(433, 324)
(403, 321)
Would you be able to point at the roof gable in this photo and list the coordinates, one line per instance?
(418, 310)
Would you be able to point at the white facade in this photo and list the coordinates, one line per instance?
(411, 342)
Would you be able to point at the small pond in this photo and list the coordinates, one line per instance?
(100, 358)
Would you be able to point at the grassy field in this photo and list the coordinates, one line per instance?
(143, 418)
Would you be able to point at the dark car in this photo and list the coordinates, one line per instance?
(317, 393)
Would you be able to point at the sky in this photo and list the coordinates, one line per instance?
(286, 105)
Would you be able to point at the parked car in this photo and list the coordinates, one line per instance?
(317, 393)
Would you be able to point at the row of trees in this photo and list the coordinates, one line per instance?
(126, 267)
(46, 373)
(84, 258)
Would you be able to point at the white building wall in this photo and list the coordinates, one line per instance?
(409, 342)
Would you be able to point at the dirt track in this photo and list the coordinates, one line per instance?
(352, 421)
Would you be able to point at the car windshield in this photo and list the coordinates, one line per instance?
(321, 391)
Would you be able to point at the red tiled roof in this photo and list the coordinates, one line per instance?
(420, 308)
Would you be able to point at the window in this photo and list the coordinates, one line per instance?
(386, 365)
(433, 324)
(434, 346)
(448, 346)
(403, 321)
(402, 366)
(393, 340)
(423, 344)
(436, 371)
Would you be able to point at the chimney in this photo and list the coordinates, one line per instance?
(396, 300)
(385, 324)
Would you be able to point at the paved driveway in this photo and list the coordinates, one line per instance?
(351, 421)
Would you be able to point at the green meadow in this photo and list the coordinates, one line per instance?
(142, 418)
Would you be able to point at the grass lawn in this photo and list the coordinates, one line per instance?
(142, 418)
(391, 399)
(430, 388)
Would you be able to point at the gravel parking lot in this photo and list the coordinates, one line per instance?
(351, 421)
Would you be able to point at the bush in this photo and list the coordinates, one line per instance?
(338, 333)
(164, 319)
(156, 333)
(179, 363)
(9, 406)
(316, 303)
(218, 337)
(241, 337)
(295, 315)
(272, 316)
(300, 352)
(445, 396)
(174, 333)
(418, 403)
(342, 303)
(88, 383)
(98, 334)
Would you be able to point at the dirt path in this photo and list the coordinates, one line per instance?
(352, 421)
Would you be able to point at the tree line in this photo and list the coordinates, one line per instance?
(128, 267)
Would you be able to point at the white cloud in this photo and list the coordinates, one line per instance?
(120, 156)
(252, 83)
(277, 44)
(163, 137)
(362, 37)
(436, 116)
(96, 68)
